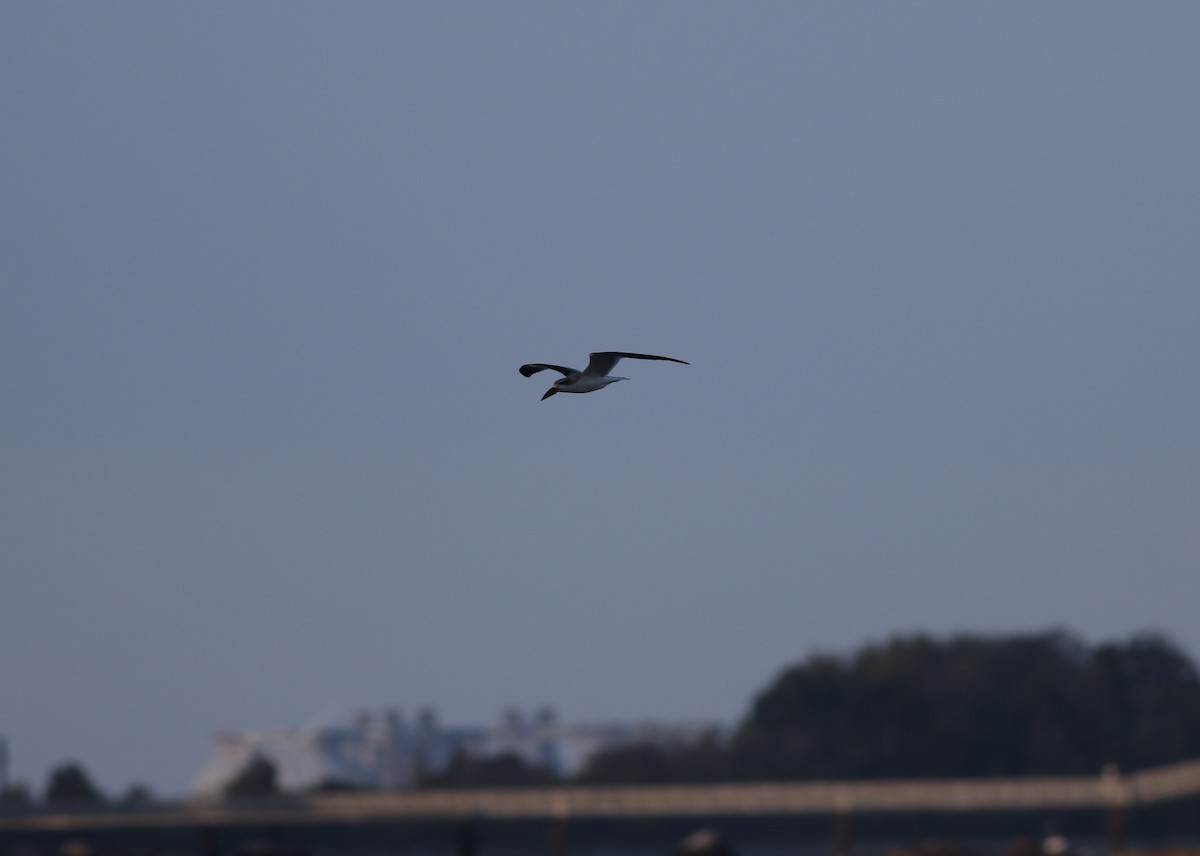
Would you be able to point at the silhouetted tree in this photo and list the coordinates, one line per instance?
(258, 778)
(333, 786)
(138, 796)
(968, 705)
(975, 705)
(642, 763)
(16, 796)
(497, 771)
(1150, 695)
(70, 783)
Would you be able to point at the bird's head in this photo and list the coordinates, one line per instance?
(560, 385)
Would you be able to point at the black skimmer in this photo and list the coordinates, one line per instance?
(594, 377)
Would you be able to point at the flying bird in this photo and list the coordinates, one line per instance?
(594, 377)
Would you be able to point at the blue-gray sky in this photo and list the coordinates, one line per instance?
(268, 271)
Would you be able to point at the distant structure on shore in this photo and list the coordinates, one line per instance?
(389, 751)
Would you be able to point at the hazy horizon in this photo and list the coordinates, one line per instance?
(346, 717)
(270, 270)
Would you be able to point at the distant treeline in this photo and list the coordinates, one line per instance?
(70, 784)
(915, 706)
(918, 706)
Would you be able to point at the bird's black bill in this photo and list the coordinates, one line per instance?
(549, 393)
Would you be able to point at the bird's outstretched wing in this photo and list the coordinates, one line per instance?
(530, 369)
(602, 362)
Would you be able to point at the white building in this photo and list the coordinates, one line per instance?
(390, 752)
